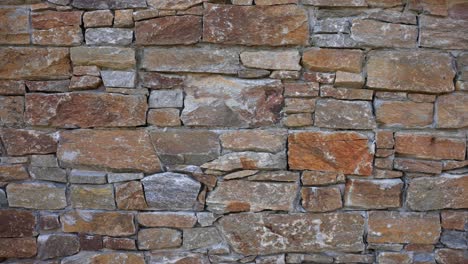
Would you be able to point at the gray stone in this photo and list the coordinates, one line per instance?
(372, 33)
(48, 86)
(247, 161)
(166, 99)
(333, 40)
(173, 5)
(122, 79)
(205, 237)
(171, 191)
(121, 177)
(92, 196)
(314, 258)
(333, 25)
(333, 113)
(48, 174)
(108, 4)
(49, 161)
(3, 199)
(57, 245)
(443, 33)
(109, 36)
(36, 195)
(159, 238)
(90, 177)
(206, 218)
(454, 239)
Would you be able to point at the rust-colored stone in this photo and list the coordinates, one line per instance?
(452, 110)
(100, 223)
(167, 219)
(321, 199)
(430, 146)
(331, 60)
(130, 196)
(18, 247)
(16, 223)
(373, 194)
(170, 30)
(19, 142)
(404, 114)
(14, 26)
(13, 172)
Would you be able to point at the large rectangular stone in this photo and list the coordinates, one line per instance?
(169, 30)
(443, 33)
(373, 33)
(105, 57)
(100, 223)
(430, 146)
(36, 195)
(108, 4)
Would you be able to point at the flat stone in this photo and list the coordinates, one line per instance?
(116, 243)
(33, 195)
(11, 110)
(14, 172)
(201, 237)
(15, 25)
(48, 222)
(92, 196)
(231, 102)
(454, 239)
(100, 223)
(59, 36)
(403, 227)
(100, 18)
(171, 191)
(122, 177)
(430, 146)
(103, 149)
(452, 110)
(19, 142)
(306, 89)
(300, 258)
(167, 219)
(122, 79)
(405, 114)
(165, 117)
(96, 109)
(299, 105)
(109, 36)
(346, 93)
(191, 59)
(48, 86)
(258, 234)
(17, 223)
(108, 4)
(332, 113)
(331, 60)
(123, 18)
(412, 165)
(85, 82)
(173, 98)
(254, 140)
(272, 60)
(373, 194)
(170, 30)
(159, 238)
(105, 57)
(394, 16)
(336, 3)
(372, 33)
(446, 191)
(91, 177)
(443, 33)
(49, 63)
(395, 257)
(247, 161)
(86, 257)
(57, 245)
(350, 80)
(155, 80)
(48, 174)
(448, 256)
(18, 247)
(259, 25)
(130, 196)
(455, 220)
(245, 196)
(321, 199)
(298, 120)
(10, 87)
(333, 25)
(173, 5)
(321, 177)
(421, 71)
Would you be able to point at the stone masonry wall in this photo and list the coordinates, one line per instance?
(233, 131)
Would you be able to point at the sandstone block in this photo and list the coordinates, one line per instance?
(321, 199)
(105, 57)
(332, 113)
(170, 30)
(331, 60)
(92, 196)
(429, 146)
(100, 223)
(373, 194)
(34, 195)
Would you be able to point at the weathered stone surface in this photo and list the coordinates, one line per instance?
(454, 239)
(167, 219)
(372, 33)
(11, 110)
(173, 98)
(117, 243)
(109, 36)
(3, 199)
(100, 223)
(443, 33)
(121, 177)
(90, 242)
(100, 18)
(85, 82)
(404, 114)
(252, 234)
(373, 194)
(412, 165)
(91, 177)
(247, 161)
(171, 191)
(455, 220)
(159, 238)
(452, 110)
(306, 89)
(231, 102)
(105, 258)
(58, 36)
(321, 199)
(330, 60)
(255, 25)
(53, 19)
(299, 105)
(18, 247)
(190, 59)
(421, 71)
(179, 146)
(430, 146)
(49, 63)
(48, 86)
(346, 93)
(345, 152)
(16, 223)
(350, 80)
(166, 117)
(104, 149)
(11, 87)
(401, 227)
(336, 3)
(254, 140)
(106, 110)
(244, 196)
(14, 26)
(196, 238)
(154, 80)
(108, 4)
(92, 196)
(332, 113)
(170, 30)
(20, 142)
(272, 60)
(57, 245)
(395, 258)
(130, 196)
(445, 191)
(123, 18)
(106, 57)
(15, 172)
(48, 174)
(448, 256)
(173, 5)
(321, 177)
(48, 222)
(122, 79)
(36, 195)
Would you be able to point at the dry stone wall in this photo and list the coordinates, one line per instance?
(233, 131)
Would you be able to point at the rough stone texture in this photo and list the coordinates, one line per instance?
(106, 57)
(167, 219)
(332, 113)
(108, 4)
(159, 238)
(18, 247)
(16, 223)
(372, 33)
(169, 30)
(254, 140)
(92, 196)
(452, 111)
(57, 245)
(14, 27)
(36, 196)
(272, 60)
(325, 60)
(100, 223)
(100, 18)
(247, 161)
(404, 114)
(19, 142)
(373, 194)
(321, 199)
(105, 258)
(443, 33)
(130, 196)
(173, 5)
(14, 172)
(11, 110)
(121, 79)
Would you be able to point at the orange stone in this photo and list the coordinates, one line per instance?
(430, 146)
(331, 60)
(100, 223)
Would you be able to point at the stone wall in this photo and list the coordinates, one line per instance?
(226, 131)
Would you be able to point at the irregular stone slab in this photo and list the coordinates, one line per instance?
(438, 8)
(420, 71)
(452, 110)
(167, 219)
(336, 3)
(35, 195)
(86, 257)
(255, 25)
(48, 86)
(443, 33)
(245, 196)
(231, 102)
(108, 4)
(130, 196)
(331, 60)
(403, 227)
(48, 174)
(159, 238)
(272, 60)
(165, 117)
(275, 176)
(321, 178)
(18, 247)
(254, 140)
(447, 256)
(262, 234)
(71, 110)
(100, 223)
(190, 59)
(121, 79)
(116, 243)
(105, 57)
(395, 257)
(11, 110)
(17, 223)
(57, 245)
(49, 63)
(454, 239)
(446, 191)
(206, 237)
(455, 220)
(248, 161)
(103, 149)
(345, 152)
(412, 165)
(59, 36)
(332, 113)
(346, 93)
(180, 146)
(54, 19)
(19, 142)
(173, 5)
(430, 146)
(373, 194)
(170, 30)
(92, 196)
(15, 172)
(85, 82)
(109, 36)
(405, 114)
(11, 87)
(171, 191)
(15, 25)
(372, 33)
(321, 199)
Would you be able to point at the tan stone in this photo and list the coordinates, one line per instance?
(404, 114)
(272, 60)
(443, 33)
(372, 33)
(298, 120)
(173, 5)
(106, 57)
(117, 243)
(168, 117)
(449, 256)
(430, 146)
(19, 142)
(18, 247)
(348, 79)
(35, 195)
(123, 18)
(100, 223)
(455, 220)
(452, 110)
(247, 160)
(14, 26)
(321, 177)
(170, 30)
(412, 165)
(307, 89)
(346, 93)
(336, 3)
(167, 219)
(254, 140)
(373, 194)
(330, 60)
(299, 105)
(395, 258)
(100, 18)
(159, 238)
(130, 196)
(321, 199)
(384, 139)
(92, 196)
(15, 172)
(10, 87)
(434, 7)
(333, 113)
